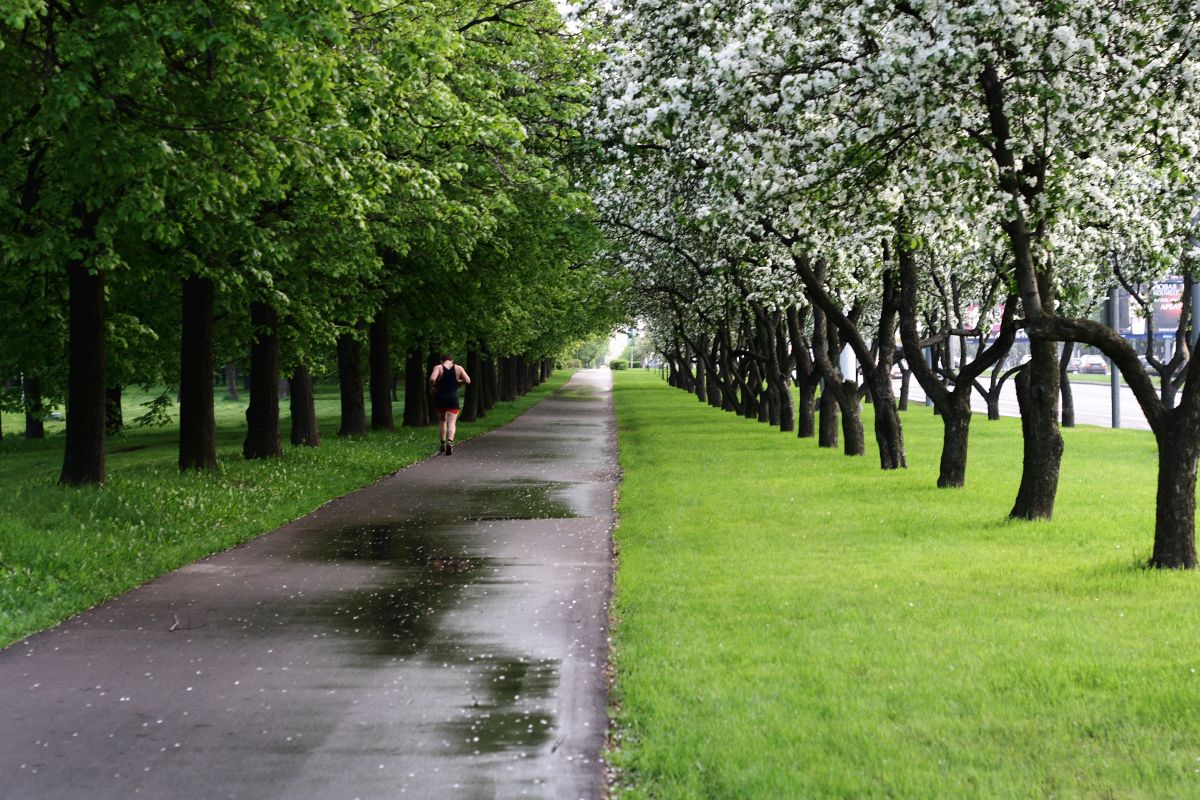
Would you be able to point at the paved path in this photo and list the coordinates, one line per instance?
(441, 634)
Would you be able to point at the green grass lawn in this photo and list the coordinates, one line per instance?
(63, 550)
(792, 623)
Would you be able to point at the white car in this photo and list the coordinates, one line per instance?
(1093, 365)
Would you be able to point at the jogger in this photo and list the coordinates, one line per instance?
(443, 384)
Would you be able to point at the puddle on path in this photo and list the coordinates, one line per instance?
(425, 572)
(516, 500)
(509, 714)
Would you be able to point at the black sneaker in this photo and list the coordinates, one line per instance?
(442, 446)
(449, 447)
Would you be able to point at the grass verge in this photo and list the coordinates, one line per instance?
(63, 550)
(794, 623)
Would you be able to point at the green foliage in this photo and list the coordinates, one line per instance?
(789, 624)
(590, 352)
(617, 364)
(340, 163)
(158, 411)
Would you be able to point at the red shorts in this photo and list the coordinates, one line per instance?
(448, 410)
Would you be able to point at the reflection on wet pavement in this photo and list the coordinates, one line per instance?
(440, 634)
(511, 715)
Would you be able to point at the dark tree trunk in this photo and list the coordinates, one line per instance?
(87, 379)
(854, 440)
(304, 408)
(1037, 394)
(35, 427)
(262, 416)
(1175, 514)
(729, 393)
(829, 422)
(889, 435)
(956, 429)
(508, 385)
(712, 384)
(826, 348)
(905, 382)
(806, 411)
(1068, 402)
(197, 424)
(491, 383)
(993, 406)
(701, 384)
(806, 378)
(350, 386)
(415, 415)
(381, 376)
(114, 416)
(787, 412)
(231, 387)
(472, 403)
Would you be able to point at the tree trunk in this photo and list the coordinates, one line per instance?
(472, 403)
(787, 412)
(701, 383)
(114, 416)
(956, 428)
(197, 423)
(1037, 394)
(262, 416)
(889, 435)
(805, 421)
(350, 386)
(491, 393)
(854, 442)
(1175, 515)
(305, 431)
(35, 426)
(231, 387)
(87, 378)
(1068, 402)
(381, 376)
(414, 388)
(905, 382)
(828, 428)
(712, 384)
(806, 378)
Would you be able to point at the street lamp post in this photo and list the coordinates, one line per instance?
(1114, 319)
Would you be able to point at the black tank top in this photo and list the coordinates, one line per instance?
(447, 387)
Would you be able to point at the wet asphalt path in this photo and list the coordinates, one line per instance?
(440, 634)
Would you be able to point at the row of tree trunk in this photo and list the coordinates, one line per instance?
(89, 398)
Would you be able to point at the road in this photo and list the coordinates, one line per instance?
(439, 634)
(1092, 404)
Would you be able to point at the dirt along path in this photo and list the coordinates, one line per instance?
(440, 634)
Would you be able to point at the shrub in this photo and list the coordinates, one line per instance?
(616, 363)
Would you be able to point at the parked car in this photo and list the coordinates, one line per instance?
(1093, 365)
(1073, 364)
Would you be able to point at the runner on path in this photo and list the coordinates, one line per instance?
(443, 384)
